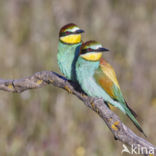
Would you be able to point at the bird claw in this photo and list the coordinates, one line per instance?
(94, 108)
(83, 95)
(93, 105)
(68, 89)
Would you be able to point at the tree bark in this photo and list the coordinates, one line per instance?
(120, 131)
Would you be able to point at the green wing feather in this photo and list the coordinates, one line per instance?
(106, 78)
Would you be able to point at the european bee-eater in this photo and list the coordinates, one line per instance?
(98, 79)
(68, 49)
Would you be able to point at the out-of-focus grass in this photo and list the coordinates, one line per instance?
(49, 121)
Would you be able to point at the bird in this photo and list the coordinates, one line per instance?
(97, 78)
(68, 49)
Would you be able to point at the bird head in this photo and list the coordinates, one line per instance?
(70, 34)
(92, 51)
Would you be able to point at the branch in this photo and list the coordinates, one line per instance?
(118, 129)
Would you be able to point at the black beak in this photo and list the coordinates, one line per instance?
(103, 49)
(80, 31)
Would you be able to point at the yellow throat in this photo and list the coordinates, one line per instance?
(71, 39)
(92, 56)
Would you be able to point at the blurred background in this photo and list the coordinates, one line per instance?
(49, 121)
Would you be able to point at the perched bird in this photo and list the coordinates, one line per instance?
(68, 49)
(98, 79)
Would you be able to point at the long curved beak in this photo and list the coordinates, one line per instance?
(103, 49)
(80, 31)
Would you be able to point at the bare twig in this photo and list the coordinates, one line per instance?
(118, 129)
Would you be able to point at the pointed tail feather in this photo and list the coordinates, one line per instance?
(133, 119)
(130, 113)
(131, 110)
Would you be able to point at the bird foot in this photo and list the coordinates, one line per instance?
(68, 89)
(93, 105)
(94, 108)
(83, 95)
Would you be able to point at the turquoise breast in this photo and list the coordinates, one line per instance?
(67, 56)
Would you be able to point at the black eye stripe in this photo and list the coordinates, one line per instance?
(67, 33)
(83, 51)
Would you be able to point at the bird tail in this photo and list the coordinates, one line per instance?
(131, 110)
(133, 119)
